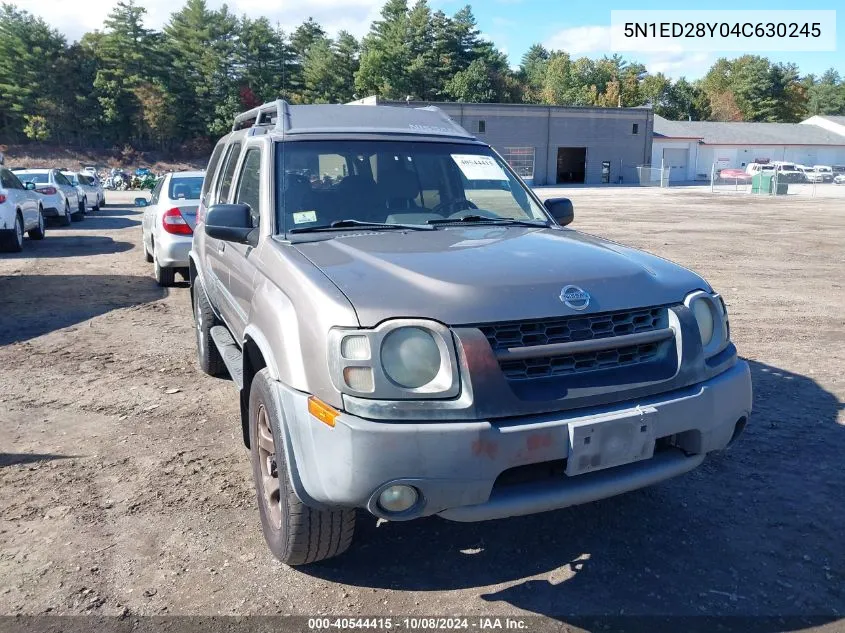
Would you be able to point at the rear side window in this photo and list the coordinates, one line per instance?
(6, 179)
(249, 184)
(61, 179)
(228, 173)
(212, 168)
(156, 191)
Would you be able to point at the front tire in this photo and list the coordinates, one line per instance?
(83, 206)
(296, 533)
(38, 232)
(208, 355)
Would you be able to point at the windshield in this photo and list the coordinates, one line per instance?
(396, 183)
(30, 177)
(185, 188)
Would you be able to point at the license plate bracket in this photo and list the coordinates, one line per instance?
(611, 441)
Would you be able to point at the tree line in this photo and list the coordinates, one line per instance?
(181, 86)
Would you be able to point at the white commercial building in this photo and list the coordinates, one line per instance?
(690, 149)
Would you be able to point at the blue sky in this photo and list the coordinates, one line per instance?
(578, 26)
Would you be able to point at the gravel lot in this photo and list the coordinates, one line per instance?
(118, 495)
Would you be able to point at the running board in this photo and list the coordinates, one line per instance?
(232, 356)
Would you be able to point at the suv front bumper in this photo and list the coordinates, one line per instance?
(455, 465)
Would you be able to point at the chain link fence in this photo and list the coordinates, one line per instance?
(773, 182)
(653, 176)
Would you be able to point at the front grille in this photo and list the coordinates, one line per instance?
(525, 334)
(582, 361)
(575, 328)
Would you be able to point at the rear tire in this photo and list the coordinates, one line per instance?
(165, 277)
(65, 219)
(83, 206)
(208, 356)
(147, 255)
(296, 533)
(38, 232)
(11, 240)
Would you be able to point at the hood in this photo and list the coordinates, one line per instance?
(461, 276)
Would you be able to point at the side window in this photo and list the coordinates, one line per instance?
(14, 183)
(225, 183)
(5, 179)
(249, 184)
(156, 191)
(212, 167)
(60, 179)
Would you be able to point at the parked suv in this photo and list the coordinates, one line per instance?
(414, 333)
(20, 212)
(58, 195)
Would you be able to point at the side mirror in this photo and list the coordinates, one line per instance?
(29, 186)
(141, 202)
(561, 210)
(231, 223)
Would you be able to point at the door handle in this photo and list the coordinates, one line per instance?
(221, 246)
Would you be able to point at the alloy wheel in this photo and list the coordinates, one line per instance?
(270, 488)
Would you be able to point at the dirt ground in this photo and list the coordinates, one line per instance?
(125, 488)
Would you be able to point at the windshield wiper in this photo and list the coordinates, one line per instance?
(339, 225)
(485, 220)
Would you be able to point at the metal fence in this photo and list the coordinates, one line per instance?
(736, 181)
(653, 176)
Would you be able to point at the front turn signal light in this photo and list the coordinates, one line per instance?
(323, 412)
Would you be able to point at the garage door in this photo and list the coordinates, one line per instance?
(676, 161)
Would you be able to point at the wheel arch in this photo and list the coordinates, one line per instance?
(256, 356)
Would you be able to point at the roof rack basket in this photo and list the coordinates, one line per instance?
(275, 113)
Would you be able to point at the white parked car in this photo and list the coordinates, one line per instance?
(20, 212)
(89, 189)
(168, 225)
(839, 179)
(59, 197)
(822, 173)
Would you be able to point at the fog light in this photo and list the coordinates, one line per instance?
(397, 498)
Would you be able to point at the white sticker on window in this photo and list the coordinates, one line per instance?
(476, 167)
(303, 217)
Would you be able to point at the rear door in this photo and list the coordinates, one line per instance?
(238, 257)
(68, 189)
(215, 266)
(150, 212)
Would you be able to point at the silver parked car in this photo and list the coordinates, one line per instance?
(59, 196)
(89, 188)
(168, 223)
(413, 332)
(21, 212)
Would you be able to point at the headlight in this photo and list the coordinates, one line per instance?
(410, 357)
(711, 318)
(398, 360)
(703, 311)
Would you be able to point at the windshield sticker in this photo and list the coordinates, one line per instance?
(476, 167)
(304, 217)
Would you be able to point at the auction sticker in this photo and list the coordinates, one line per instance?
(301, 217)
(477, 167)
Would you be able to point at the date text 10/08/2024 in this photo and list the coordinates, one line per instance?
(419, 623)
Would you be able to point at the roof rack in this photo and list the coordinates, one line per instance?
(274, 113)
